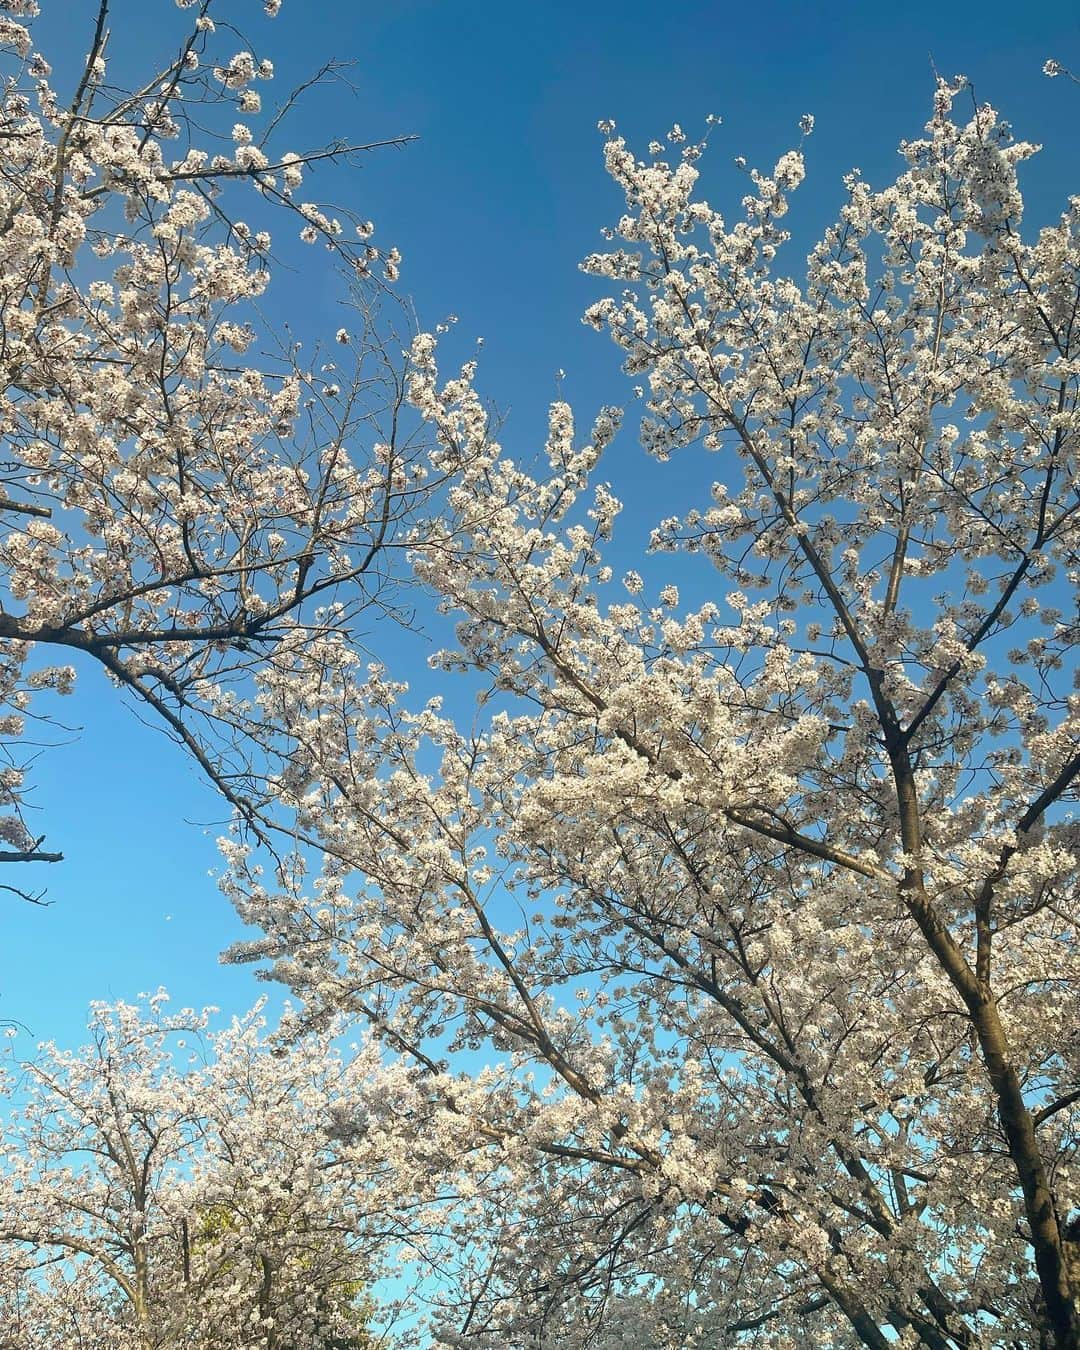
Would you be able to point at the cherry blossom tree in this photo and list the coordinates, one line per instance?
(762, 908)
(175, 1185)
(184, 490)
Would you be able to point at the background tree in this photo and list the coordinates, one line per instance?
(183, 493)
(173, 1185)
(768, 905)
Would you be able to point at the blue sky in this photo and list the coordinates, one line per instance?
(492, 207)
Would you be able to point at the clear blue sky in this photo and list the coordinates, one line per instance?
(492, 209)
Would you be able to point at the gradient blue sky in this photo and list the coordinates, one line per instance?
(492, 208)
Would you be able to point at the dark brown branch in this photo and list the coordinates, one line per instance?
(25, 508)
(31, 855)
(784, 834)
(1054, 1107)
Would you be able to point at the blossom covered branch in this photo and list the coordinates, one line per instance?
(185, 493)
(767, 907)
